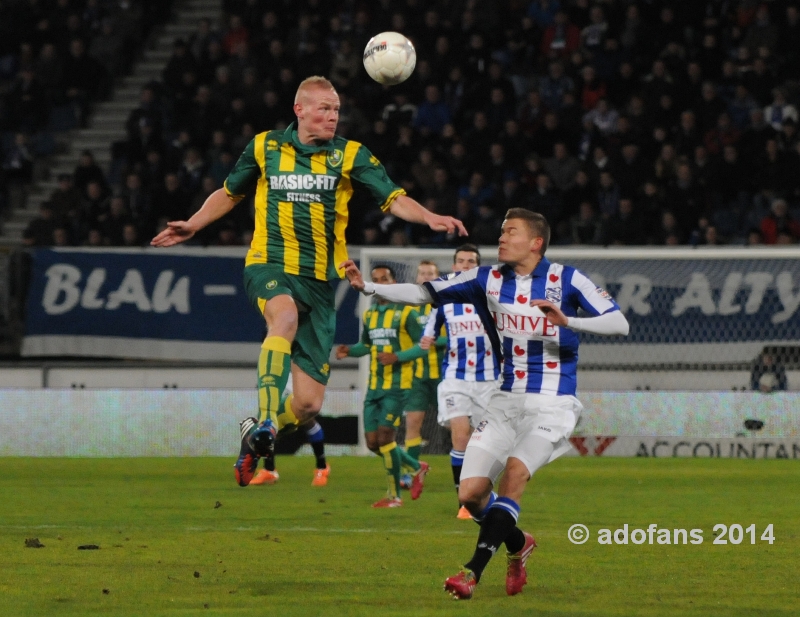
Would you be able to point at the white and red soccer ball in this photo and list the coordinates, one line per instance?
(389, 58)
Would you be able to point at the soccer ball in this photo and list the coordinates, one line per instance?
(389, 58)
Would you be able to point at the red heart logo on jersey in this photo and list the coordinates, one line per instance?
(471, 363)
(519, 350)
(467, 309)
(470, 344)
(551, 364)
(522, 299)
(519, 374)
(496, 274)
(554, 277)
(488, 353)
(452, 354)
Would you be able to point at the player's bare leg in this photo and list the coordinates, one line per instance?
(413, 445)
(460, 432)
(414, 421)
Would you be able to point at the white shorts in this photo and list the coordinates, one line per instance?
(515, 425)
(458, 398)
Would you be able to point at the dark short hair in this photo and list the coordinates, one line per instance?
(536, 222)
(468, 248)
(385, 267)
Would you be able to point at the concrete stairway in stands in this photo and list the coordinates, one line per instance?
(107, 122)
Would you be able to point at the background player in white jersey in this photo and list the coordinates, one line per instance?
(529, 307)
(469, 368)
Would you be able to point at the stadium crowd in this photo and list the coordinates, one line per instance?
(624, 122)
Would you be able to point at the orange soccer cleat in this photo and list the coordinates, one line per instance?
(321, 476)
(265, 476)
(463, 514)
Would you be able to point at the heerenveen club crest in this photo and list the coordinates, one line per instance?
(335, 158)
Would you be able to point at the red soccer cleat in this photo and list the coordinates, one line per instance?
(418, 480)
(516, 575)
(388, 502)
(461, 586)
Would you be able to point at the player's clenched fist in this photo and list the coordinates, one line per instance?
(342, 351)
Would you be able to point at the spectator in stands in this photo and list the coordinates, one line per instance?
(433, 114)
(562, 167)
(560, 38)
(777, 111)
(39, 231)
(18, 161)
(87, 171)
(767, 374)
(586, 226)
(65, 199)
(778, 221)
(27, 105)
(83, 79)
(626, 226)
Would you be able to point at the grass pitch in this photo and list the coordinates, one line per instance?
(178, 537)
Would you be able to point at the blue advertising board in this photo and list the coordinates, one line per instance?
(189, 304)
(180, 304)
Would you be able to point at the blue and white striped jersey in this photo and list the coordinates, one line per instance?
(538, 357)
(469, 354)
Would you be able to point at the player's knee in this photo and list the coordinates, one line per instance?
(305, 409)
(471, 498)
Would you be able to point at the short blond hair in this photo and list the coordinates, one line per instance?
(315, 81)
(428, 262)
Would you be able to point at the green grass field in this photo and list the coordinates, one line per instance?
(291, 549)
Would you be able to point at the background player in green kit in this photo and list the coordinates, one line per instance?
(302, 179)
(422, 396)
(389, 336)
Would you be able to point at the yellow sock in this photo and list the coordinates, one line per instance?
(391, 461)
(274, 369)
(286, 420)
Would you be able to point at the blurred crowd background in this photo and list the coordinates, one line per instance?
(625, 122)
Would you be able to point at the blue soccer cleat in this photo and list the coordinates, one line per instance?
(257, 441)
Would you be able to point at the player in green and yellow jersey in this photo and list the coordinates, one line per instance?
(389, 336)
(427, 375)
(302, 178)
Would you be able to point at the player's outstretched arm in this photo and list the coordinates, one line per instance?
(217, 205)
(607, 324)
(402, 293)
(412, 211)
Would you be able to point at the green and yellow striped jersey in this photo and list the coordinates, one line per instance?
(428, 366)
(301, 198)
(390, 328)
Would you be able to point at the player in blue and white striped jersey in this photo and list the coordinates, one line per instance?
(469, 367)
(529, 307)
